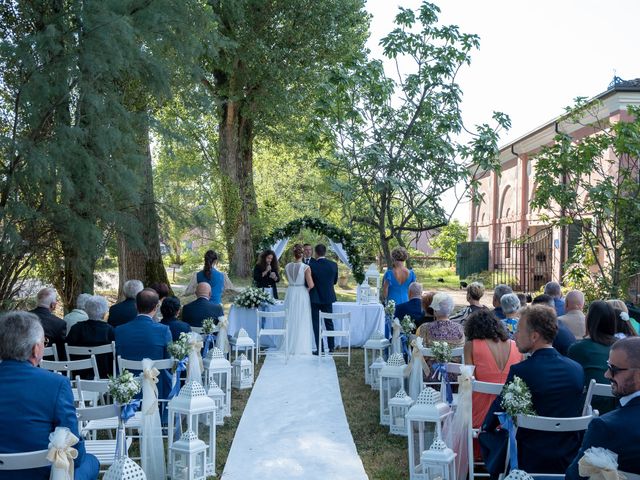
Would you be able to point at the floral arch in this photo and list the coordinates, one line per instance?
(341, 242)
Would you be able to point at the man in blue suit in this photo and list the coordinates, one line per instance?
(325, 275)
(125, 311)
(554, 290)
(413, 307)
(556, 384)
(142, 337)
(195, 312)
(34, 401)
(619, 430)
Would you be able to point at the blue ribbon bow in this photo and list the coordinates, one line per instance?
(182, 366)
(129, 409)
(440, 369)
(208, 343)
(406, 351)
(506, 422)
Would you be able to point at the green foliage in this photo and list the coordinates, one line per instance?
(446, 241)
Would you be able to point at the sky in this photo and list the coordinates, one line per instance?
(535, 57)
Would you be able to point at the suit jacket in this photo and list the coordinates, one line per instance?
(574, 320)
(39, 402)
(195, 312)
(122, 312)
(325, 275)
(564, 339)
(618, 431)
(559, 304)
(55, 329)
(92, 333)
(176, 326)
(556, 384)
(143, 338)
(413, 308)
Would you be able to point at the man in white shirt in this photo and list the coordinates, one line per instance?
(574, 318)
(307, 254)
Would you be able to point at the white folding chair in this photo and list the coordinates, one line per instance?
(455, 352)
(51, 351)
(602, 390)
(136, 365)
(104, 450)
(97, 350)
(272, 331)
(344, 332)
(70, 366)
(490, 389)
(586, 409)
(24, 461)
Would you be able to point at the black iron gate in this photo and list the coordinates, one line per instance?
(525, 264)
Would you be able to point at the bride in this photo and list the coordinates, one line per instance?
(297, 305)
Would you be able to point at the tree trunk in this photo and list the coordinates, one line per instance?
(238, 192)
(384, 244)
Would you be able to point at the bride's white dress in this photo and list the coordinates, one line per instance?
(298, 311)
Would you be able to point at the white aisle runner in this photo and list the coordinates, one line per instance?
(294, 426)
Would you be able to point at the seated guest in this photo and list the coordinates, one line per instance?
(77, 314)
(554, 291)
(55, 329)
(38, 402)
(489, 348)
(442, 328)
(510, 304)
(555, 383)
(413, 307)
(475, 291)
(195, 312)
(592, 352)
(427, 298)
(523, 299)
(573, 318)
(143, 338)
(123, 312)
(564, 338)
(162, 289)
(170, 308)
(620, 305)
(498, 292)
(619, 430)
(94, 332)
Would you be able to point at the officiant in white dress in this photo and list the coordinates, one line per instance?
(298, 306)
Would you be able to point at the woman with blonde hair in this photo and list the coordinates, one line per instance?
(632, 327)
(396, 280)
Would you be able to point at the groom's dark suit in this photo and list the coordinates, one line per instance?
(325, 275)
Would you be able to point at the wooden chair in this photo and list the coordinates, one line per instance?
(345, 332)
(104, 450)
(97, 350)
(490, 389)
(51, 351)
(272, 331)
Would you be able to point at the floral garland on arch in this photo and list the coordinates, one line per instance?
(319, 226)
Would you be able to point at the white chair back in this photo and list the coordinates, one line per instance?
(71, 366)
(97, 350)
(554, 424)
(23, 461)
(455, 352)
(272, 330)
(344, 331)
(98, 388)
(86, 414)
(51, 351)
(586, 409)
(163, 364)
(602, 390)
(489, 388)
(197, 330)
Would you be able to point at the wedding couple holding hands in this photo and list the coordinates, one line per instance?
(311, 291)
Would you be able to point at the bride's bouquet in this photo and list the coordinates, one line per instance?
(253, 297)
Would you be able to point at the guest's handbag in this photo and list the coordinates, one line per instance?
(493, 445)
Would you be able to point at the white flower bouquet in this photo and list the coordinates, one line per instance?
(124, 387)
(441, 351)
(407, 324)
(252, 297)
(390, 308)
(180, 348)
(516, 398)
(209, 326)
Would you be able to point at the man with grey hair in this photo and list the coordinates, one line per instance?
(574, 317)
(125, 311)
(510, 304)
(94, 332)
(554, 290)
(55, 329)
(77, 314)
(34, 401)
(413, 307)
(500, 290)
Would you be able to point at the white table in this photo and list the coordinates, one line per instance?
(365, 320)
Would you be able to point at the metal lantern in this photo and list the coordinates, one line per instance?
(425, 419)
(215, 393)
(242, 343)
(376, 368)
(188, 458)
(374, 348)
(218, 369)
(241, 373)
(362, 294)
(188, 407)
(439, 462)
(398, 408)
(123, 468)
(392, 380)
(372, 278)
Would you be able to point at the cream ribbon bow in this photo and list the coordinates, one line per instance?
(396, 346)
(416, 356)
(195, 346)
(222, 342)
(150, 375)
(598, 463)
(61, 453)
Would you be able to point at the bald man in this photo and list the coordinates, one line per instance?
(195, 312)
(574, 317)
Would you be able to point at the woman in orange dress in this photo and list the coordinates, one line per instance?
(489, 348)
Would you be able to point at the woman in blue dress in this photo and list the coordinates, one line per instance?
(396, 281)
(218, 280)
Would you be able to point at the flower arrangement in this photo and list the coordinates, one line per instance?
(441, 351)
(516, 398)
(407, 325)
(124, 387)
(209, 326)
(390, 308)
(252, 297)
(180, 348)
(322, 227)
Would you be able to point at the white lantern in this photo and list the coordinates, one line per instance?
(439, 462)
(190, 405)
(399, 407)
(241, 373)
(376, 368)
(215, 393)
(218, 369)
(374, 348)
(362, 294)
(123, 468)
(243, 343)
(425, 419)
(188, 458)
(372, 279)
(392, 380)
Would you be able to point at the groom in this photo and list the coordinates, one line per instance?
(325, 275)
